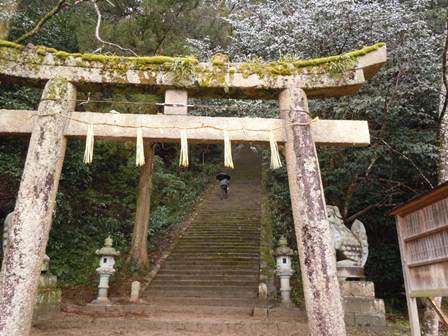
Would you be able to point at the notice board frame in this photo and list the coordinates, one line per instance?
(422, 228)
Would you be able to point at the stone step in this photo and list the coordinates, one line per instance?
(214, 245)
(213, 262)
(213, 254)
(220, 240)
(200, 301)
(212, 267)
(216, 239)
(237, 236)
(227, 227)
(223, 230)
(229, 210)
(205, 292)
(215, 251)
(227, 236)
(217, 255)
(221, 247)
(220, 230)
(218, 261)
(162, 309)
(206, 277)
(234, 226)
(222, 266)
(200, 282)
(228, 214)
(216, 272)
(182, 269)
(224, 217)
(186, 325)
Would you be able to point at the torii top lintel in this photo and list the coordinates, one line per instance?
(325, 77)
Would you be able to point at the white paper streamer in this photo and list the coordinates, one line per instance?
(276, 162)
(88, 152)
(183, 158)
(139, 150)
(228, 162)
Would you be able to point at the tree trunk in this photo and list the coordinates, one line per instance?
(430, 320)
(317, 256)
(138, 253)
(8, 9)
(31, 222)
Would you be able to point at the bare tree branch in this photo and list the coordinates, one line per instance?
(97, 31)
(362, 211)
(42, 21)
(410, 160)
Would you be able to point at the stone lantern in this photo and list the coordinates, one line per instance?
(107, 261)
(284, 268)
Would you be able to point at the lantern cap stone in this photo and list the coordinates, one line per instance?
(107, 249)
(283, 249)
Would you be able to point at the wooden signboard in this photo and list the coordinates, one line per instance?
(422, 226)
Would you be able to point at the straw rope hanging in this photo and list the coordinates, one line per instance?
(228, 161)
(183, 158)
(88, 152)
(276, 162)
(139, 150)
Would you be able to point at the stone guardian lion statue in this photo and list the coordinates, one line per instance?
(351, 246)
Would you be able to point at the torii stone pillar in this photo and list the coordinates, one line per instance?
(34, 208)
(316, 252)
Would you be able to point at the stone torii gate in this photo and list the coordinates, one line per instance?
(292, 83)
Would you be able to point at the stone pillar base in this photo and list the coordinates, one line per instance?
(48, 300)
(361, 308)
(101, 301)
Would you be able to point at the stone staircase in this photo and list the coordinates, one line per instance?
(216, 261)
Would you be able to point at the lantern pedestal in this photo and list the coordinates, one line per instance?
(285, 288)
(103, 287)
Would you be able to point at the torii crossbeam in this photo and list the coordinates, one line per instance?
(63, 73)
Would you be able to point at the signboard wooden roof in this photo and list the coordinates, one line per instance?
(438, 193)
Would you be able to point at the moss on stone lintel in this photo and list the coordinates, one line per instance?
(189, 67)
(337, 58)
(42, 50)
